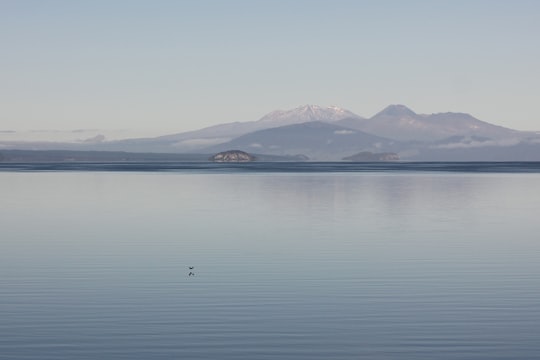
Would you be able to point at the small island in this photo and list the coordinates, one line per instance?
(232, 156)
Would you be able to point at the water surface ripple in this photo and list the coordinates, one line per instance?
(288, 265)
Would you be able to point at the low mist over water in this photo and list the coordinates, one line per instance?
(372, 264)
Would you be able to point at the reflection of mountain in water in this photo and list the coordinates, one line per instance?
(398, 196)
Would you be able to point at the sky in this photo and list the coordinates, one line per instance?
(171, 66)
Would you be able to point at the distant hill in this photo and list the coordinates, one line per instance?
(316, 140)
(45, 156)
(401, 123)
(218, 134)
(333, 133)
(89, 156)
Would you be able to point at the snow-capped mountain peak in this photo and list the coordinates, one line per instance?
(307, 113)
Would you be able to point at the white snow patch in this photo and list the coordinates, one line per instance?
(344, 132)
(307, 113)
(477, 144)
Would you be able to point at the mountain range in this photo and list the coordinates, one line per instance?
(332, 134)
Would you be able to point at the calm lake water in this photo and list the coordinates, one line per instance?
(288, 265)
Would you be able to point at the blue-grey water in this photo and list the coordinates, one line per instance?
(370, 263)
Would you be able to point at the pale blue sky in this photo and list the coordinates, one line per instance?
(182, 65)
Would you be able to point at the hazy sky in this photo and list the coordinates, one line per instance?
(182, 65)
